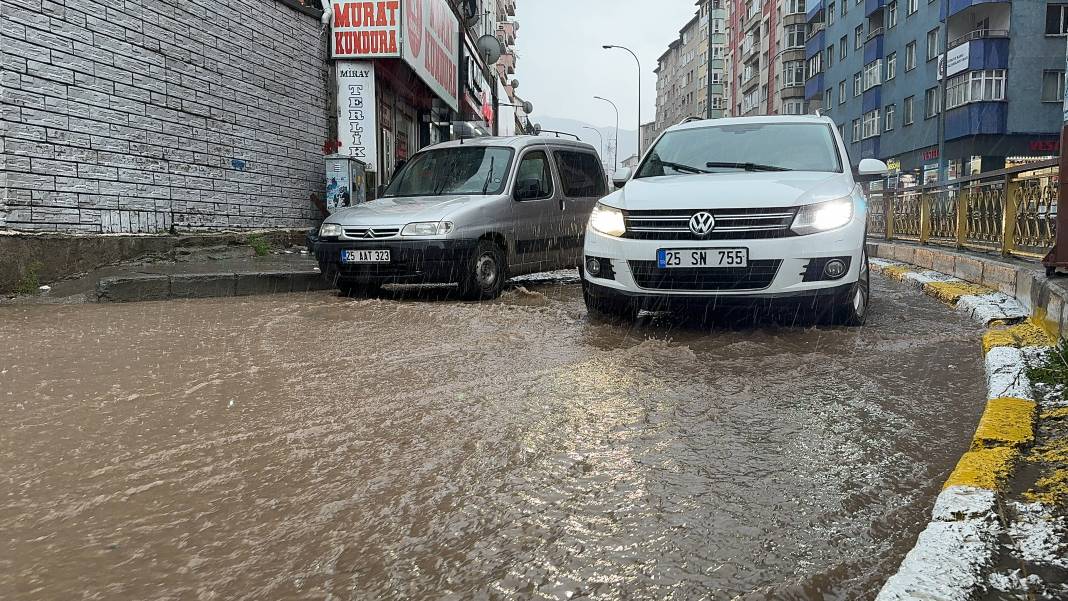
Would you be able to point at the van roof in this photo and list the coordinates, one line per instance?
(759, 119)
(517, 142)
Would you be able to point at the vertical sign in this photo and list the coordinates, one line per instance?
(366, 29)
(356, 104)
(431, 38)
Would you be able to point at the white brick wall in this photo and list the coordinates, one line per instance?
(133, 115)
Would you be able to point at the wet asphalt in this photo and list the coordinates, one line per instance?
(417, 447)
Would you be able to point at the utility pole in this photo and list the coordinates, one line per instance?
(943, 175)
(1058, 256)
(708, 59)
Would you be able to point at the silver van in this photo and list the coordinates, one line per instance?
(472, 212)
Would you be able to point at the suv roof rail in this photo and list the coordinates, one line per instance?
(691, 120)
(819, 112)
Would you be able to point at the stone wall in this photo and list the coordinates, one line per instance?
(136, 115)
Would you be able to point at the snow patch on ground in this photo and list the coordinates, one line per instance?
(1014, 582)
(992, 307)
(882, 263)
(922, 278)
(1038, 536)
(947, 563)
(963, 502)
(563, 276)
(1006, 373)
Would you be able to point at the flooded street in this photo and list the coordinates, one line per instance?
(317, 447)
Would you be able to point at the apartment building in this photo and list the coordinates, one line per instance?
(766, 57)
(874, 67)
(683, 88)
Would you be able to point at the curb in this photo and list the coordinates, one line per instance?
(122, 289)
(953, 555)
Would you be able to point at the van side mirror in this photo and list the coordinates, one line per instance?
(527, 189)
(870, 170)
(621, 177)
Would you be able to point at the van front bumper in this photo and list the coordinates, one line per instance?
(411, 261)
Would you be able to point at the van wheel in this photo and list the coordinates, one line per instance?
(608, 307)
(852, 309)
(358, 289)
(485, 273)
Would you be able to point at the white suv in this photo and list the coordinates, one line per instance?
(735, 209)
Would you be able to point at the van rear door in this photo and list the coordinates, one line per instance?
(583, 182)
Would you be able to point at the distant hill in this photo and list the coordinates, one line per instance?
(628, 138)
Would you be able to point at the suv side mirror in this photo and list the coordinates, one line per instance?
(527, 189)
(871, 169)
(621, 177)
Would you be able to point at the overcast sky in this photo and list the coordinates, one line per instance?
(561, 65)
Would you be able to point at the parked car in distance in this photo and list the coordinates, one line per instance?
(472, 212)
(735, 209)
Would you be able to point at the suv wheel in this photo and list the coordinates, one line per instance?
(485, 273)
(852, 309)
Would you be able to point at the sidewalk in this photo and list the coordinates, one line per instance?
(202, 273)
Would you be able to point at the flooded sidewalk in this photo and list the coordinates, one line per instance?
(307, 446)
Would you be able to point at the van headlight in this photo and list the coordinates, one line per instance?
(607, 220)
(330, 230)
(824, 216)
(427, 228)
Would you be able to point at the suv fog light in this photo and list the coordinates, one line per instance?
(834, 269)
(593, 266)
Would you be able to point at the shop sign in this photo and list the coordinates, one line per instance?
(930, 154)
(893, 165)
(1048, 146)
(356, 124)
(366, 29)
(956, 60)
(432, 33)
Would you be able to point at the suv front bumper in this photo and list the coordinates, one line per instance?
(411, 261)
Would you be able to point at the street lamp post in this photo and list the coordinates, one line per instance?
(636, 60)
(615, 158)
(599, 135)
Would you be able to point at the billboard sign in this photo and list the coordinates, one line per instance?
(431, 36)
(356, 126)
(955, 60)
(366, 29)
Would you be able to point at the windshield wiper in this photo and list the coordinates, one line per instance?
(489, 176)
(746, 166)
(682, 167)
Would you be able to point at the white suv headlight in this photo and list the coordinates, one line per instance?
(427, 228)
(607, 220)
(824, 216)
(330, 230)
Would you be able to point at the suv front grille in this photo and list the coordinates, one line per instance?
(731, 224)
(371, 233)
(758, 276)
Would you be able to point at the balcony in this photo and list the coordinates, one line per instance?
(814, 87)
(815, 11)
(507, 7)
(956, 6)
(873, 46)
(508, 62)
(873, 6)
(506, 32)
(978, 34)
(817, 29)
(815, 44)
(977, 118)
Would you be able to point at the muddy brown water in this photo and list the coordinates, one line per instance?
(316, 447)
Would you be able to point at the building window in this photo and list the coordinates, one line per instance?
(815, 64)
(975, 86)
(870, 128)
(841, 131)
(858, 37)
(795, 36)
(841, 92)
(910, 7)
(910, 56)
(845, 7)
(843, 47)
(830, 13)
(827, 99)
(858, 84)
(932, 44)
(794, 73)
(891, 14)
(830, 56)
(891, 113)
(793, 107)
(909, 104)
(795, 6)
(856, 130)
(930, 103)
(1057, 19)
(872, 73)
(891, 66)
(1052, 86)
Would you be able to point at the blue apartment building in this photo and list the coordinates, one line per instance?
(873, 66)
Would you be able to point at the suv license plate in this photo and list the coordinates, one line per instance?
(364, 256)
(668, 258)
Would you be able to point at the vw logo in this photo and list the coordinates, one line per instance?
(701, 224)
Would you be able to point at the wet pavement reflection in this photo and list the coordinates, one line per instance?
(318, 447)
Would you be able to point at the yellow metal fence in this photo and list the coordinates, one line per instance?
(1012, 211)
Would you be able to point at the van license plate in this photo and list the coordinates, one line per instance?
(668, 258)
(350, 257)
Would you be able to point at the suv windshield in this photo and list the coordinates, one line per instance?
(749, 146)
(458, 170)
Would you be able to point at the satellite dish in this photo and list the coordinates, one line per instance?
(537, 129)
(528, 107)
(515, 84)
(489, 48)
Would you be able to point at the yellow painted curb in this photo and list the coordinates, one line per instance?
(1054, 414)
(984, 468)
(1020, 335)
(1006, 422)
(897, 272)
(950, 292)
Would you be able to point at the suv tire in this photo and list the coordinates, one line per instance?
(485, 273)
(852, 309)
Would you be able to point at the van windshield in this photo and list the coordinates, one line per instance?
(457, 170)
(748, 146)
